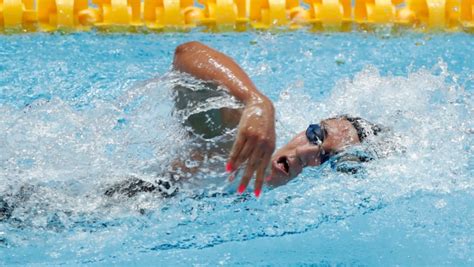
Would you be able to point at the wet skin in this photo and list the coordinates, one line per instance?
(289, 161)
(255, 141)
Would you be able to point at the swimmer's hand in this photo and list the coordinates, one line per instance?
(255, 142)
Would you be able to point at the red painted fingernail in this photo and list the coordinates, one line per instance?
(257, 192)
(241, 189)
(268, 178)
(228, 167)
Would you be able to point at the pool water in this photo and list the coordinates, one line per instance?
(82, 111)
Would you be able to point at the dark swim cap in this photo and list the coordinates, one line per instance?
(349, 161)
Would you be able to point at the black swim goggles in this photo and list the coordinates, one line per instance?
(315, 134)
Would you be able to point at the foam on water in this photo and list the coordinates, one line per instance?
(62, 157)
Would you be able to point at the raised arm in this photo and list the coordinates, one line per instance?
(255, 140)
(208, 64)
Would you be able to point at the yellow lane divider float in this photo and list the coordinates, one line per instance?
(240, 15)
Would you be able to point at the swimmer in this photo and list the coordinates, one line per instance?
(253, 148)
(211, 133)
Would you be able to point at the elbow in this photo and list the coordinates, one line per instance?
(188, 47)
(185, 53)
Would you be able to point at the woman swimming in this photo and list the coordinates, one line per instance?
(244, 110)
(254, 118)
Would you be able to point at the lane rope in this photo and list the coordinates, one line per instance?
(235, 15)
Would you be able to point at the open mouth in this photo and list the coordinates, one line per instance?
(283, 164)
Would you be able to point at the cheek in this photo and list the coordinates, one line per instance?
(332, 144)
(309, 154)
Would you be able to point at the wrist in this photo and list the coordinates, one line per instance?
(258, 99)
(261, 106)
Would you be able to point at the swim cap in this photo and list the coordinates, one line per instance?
(348, 161)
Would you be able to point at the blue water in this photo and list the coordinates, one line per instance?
(79, 112)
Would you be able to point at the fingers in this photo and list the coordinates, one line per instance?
(261, 173)
(246, 153)
(237, 147)
(257, 151)
(241, 151)
(236, 160)
(251, 167)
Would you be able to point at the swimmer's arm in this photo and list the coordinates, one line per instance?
(208, 64)
(255, 140)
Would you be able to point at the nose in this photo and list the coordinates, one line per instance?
(309, 154)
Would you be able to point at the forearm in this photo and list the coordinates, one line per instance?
(208, 64)
(255, 140)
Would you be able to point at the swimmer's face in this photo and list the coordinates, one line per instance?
(289, 161)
